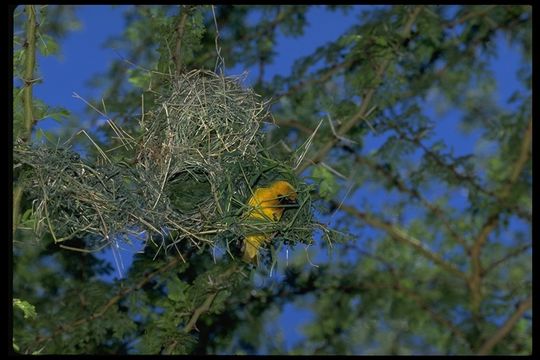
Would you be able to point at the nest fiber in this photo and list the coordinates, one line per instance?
(195, 163)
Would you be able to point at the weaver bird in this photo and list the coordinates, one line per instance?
(267, 204)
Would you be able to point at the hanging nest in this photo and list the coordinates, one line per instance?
(197, 161)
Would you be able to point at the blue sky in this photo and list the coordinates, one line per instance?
(83, 56)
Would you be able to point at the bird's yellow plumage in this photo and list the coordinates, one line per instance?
(267, 204)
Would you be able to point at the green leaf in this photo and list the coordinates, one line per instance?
(57, 114)
(27, 219)
(48, 46)
(328, 186)
(381, 41)
(177, 289)
(28, 309)
(349, 39)
(139, 79)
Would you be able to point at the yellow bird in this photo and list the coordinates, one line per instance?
(268, 204)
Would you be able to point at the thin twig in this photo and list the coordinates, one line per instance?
(462, 178)
(391, 177)
(220, 61)
(506, 257)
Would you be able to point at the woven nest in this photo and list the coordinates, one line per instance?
(196, 163)
(201, 119)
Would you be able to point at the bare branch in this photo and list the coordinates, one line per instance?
(414, 296)
(463, 178)
(253, 33)
(17, 197)
(362, 286)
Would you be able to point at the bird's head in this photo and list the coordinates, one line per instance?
(285, 193)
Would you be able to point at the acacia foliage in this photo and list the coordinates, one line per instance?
(438, 257)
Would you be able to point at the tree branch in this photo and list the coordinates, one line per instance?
(508, 256)
(366, 99)
(509, 324)
(103, 309)
(346, 126)
(492, 221)
(395, 180)
(475, 279)
(180, 29)
(462, 178)
(483, 11)
(434, 314)
(295, 124)
(401, 236)
(361, 286)
(205, 306)
(199, 311)
(520, 162)
(252, 33)
(17, 197)
(30, 64)
(319, 78)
